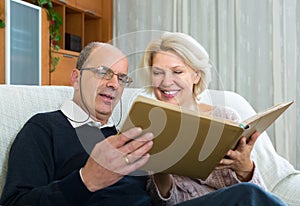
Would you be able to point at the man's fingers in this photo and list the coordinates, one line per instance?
(141, 151)
(133, 166)
(132, 146)
(123, 153)
(121, 139)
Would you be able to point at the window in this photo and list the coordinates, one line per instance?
(23, 43)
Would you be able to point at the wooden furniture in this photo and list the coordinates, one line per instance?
(86, 20)
(62, 73)
(45, 49)
(89, 20)
(2, 44)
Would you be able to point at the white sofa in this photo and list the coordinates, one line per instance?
(19, 103)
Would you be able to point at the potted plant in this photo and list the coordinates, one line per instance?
(2, 23)
(54, 28)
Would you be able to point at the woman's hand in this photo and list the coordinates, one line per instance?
(164, 183)
(239, 160)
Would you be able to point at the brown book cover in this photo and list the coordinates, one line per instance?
(188, 143)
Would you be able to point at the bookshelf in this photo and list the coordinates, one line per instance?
(88, 21)
(2, 44)
(83, 22)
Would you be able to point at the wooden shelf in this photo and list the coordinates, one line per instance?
(62, 73)
(84, 21)
(88, 20)
(2, 45)
(92, 7)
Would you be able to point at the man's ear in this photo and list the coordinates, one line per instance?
(75, 74)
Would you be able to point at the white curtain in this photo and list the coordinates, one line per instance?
(254, 48)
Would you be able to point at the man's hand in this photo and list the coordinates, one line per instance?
(116, 156)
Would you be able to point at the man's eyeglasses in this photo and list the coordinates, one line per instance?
(104, 72)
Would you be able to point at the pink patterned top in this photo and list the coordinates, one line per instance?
(185, 188)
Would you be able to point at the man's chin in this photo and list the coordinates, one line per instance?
(104, 110)
(103, 116)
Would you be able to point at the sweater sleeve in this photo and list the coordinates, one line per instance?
(31, 173)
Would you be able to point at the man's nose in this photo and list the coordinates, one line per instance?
(113, 82)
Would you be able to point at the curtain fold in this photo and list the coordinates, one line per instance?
(285, 73)
(297, 42)
(254, 48)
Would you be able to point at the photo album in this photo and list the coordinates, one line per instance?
(189, 143)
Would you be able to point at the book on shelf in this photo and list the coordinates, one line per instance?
(190, 143)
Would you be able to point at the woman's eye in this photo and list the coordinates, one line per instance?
(177, 72)
(156, 73)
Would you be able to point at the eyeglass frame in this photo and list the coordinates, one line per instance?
(123, 79)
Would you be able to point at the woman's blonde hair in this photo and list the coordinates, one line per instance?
(188, 49)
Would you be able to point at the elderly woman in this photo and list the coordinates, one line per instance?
(180, 71)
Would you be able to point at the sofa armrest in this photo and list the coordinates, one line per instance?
(288, 189)
(279, 175)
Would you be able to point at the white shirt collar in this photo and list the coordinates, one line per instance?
(78, 117)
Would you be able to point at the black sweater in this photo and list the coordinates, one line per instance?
(44, 163)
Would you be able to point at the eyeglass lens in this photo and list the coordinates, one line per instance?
(107, 73)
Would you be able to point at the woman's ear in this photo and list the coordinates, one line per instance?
(197, 77)
(75, 74)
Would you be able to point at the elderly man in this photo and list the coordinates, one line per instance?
(58, 159)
